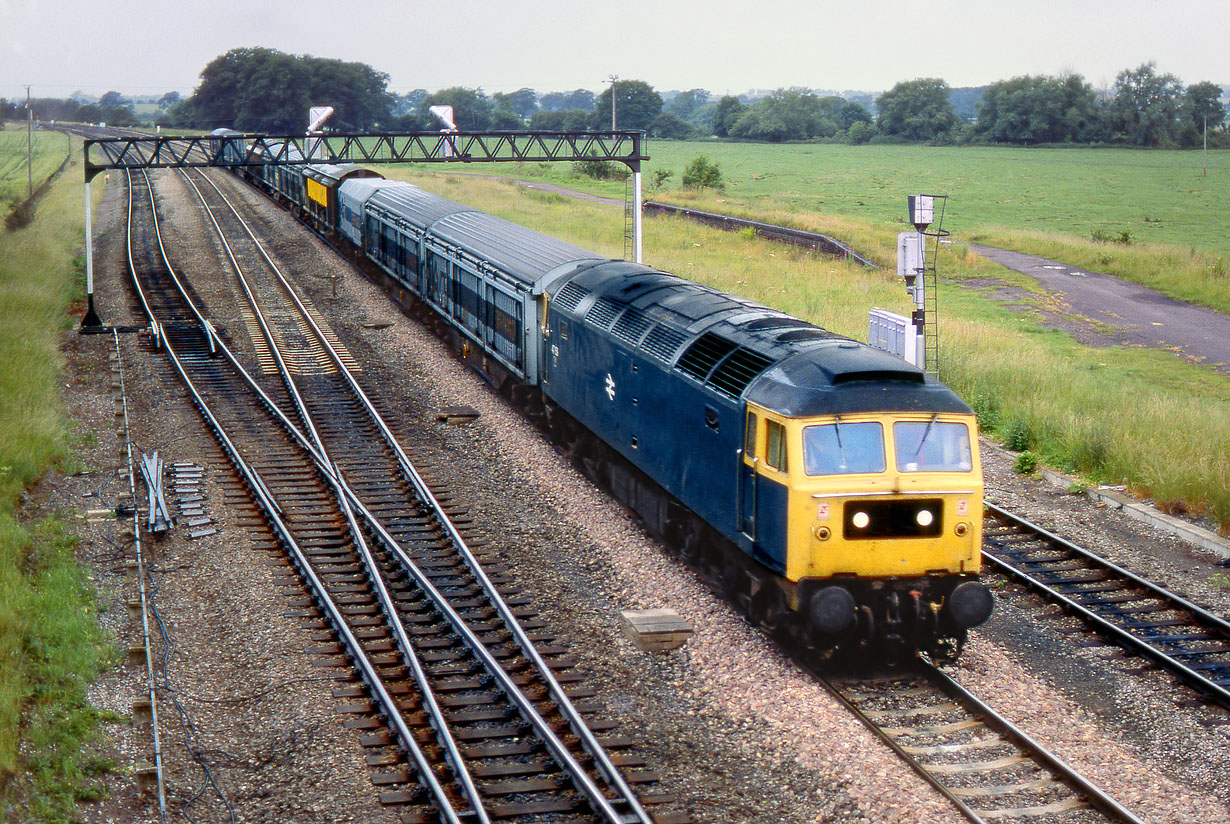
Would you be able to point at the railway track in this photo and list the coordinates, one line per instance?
(1035, 788)
(1143, 618)
(989, 769)
(465, 707)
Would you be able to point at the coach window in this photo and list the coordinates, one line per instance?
(775, 451)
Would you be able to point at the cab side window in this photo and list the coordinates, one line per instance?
(749, 438)
(775, 454)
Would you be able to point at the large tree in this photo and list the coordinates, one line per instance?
(1204, 104)
(685, 104)
(916, 110)
(265, 90)
(561, 101)
(790, 114)
(523, 102)
(1147, 109)
(564, 120)
(726, 115)
(1038, 109)
(636, 106)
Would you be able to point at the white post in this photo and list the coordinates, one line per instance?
(636, 216)
(920, 305)
(89, 245)
(91, 320)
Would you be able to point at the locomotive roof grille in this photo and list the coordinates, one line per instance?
(570, 296)
(632, 325)
(664, 342)
(603, 313)
(734, 374)
(700, 358)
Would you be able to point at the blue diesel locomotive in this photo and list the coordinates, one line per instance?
(832, 491)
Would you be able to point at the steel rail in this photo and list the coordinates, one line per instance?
(136, 533)
(1096, 797)
(367, 670)
(287, 380)
(1094, 794)
(590, 743)
(526, 708)
(329, 469)
(1102, 625)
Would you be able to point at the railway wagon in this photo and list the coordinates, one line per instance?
(320, 189)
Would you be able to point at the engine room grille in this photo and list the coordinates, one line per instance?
(703, 355)
(603, 312)
(570, 296)
(663, 342)
(631, 325)
(737, 371)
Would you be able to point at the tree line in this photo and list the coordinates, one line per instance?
(265, 90)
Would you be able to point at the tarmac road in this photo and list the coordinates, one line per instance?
(1101, 310)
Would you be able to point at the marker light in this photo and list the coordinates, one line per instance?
(860, 520)
(924, 517)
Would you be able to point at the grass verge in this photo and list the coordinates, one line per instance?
(50, 645)
(47, 152)
(1137, 417)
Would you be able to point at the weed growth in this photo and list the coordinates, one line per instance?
(1027, 463)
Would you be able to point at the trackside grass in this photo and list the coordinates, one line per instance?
(1143, 418)
(48, 150)
(50, 644)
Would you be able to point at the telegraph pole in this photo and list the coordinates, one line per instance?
(614, 80)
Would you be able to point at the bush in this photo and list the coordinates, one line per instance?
(600, 169)
(1124, 238)
(702, 173)
(860, 132)
(660, 176)
(1018, 436)
(1027, 463)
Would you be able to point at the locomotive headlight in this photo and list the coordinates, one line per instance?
(861, 520)
(924, 517)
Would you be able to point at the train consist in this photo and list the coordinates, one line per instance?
(832, 491)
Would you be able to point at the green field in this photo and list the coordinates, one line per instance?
(1159, 196)
(48, 150)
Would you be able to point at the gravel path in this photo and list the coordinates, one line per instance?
(739, 733)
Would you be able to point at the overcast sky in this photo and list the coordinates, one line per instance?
(153, 46)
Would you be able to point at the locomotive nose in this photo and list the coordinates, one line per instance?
(969, 604)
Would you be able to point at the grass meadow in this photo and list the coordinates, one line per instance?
(47, 152)
(1110, 414)
(50, 644)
